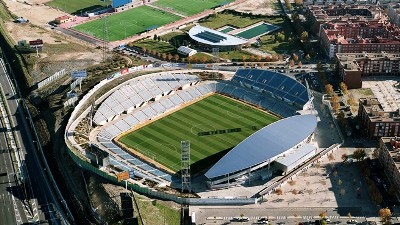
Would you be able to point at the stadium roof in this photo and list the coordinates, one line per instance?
(297, 155)
(212, 37)
(266, 143)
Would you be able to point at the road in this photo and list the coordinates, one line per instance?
(44, 199)
(11, 195)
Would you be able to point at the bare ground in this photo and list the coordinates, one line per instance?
(262, 7)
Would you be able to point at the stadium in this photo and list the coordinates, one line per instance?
(138, 125)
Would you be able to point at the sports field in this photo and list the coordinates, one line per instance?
(258, 30)
(190, 7)
(127, 23)
(212, 125)
(77, 6)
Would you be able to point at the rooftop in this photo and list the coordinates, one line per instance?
(265, 144)
(378, 112)
(212, 37)
(391, 144)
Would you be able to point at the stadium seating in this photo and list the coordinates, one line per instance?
(278, 85)
(147, 97)
(139, 91)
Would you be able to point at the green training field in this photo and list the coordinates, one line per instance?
(258, 30)
(198, 123)
(190, 7)
(77, 6)
(125, 24)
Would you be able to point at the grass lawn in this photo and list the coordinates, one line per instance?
(190, 7)
(159, 46)
(280, 47)
(77, 6)
(128, 23)
(161, 139)
(222, 19)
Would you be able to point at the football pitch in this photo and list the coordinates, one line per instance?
(190, 7)
(127, 23)
(213, 125)
(77, 6)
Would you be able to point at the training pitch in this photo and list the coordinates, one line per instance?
(78, 6)
(190, 7)
(212, 125)
(122, 25)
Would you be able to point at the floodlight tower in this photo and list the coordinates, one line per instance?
(185, 166)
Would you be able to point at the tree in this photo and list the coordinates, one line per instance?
(169, 56)
(345, 157)
(155, 37)
(280, 57)
(259, 58)
(385, 214)
(343, 86)
(320, 67)
(359, 154)
(164, 56)
(244, 58)
(329, 89)
(322, 214)
(336, 106)
(144, 49)
(335, 99)
(291, 63)
(298, 2)
(154, 52)
(204, 59)
(300, 64)
(304, 36)
(274, 58)
(307, 57)
(176, 57)
(295, 57)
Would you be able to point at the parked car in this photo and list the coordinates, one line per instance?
(352, 221)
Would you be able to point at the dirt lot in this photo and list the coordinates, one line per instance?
(68, 52)
(265, 7)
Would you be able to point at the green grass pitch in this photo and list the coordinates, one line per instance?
(190, 7)
(160, 140)
(77, 6)
(128, 23)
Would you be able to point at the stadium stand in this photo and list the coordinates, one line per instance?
(148, 97)
(278, 85)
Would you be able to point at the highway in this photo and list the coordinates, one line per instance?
(11, 195)
(45, 205)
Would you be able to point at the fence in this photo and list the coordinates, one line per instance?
(51, 78)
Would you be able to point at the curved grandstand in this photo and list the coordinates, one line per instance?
(208, 38)
(141, 100)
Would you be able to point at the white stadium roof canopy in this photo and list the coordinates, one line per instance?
(265, 144)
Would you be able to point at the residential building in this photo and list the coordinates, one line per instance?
(394, 13)
(353, 66)
(355, 37)
(375, 122)
(318, 15)
(389, 157)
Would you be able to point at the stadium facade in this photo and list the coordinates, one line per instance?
(208, 39)
(281, 146)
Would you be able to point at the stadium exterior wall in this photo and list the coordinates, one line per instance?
(80, 160)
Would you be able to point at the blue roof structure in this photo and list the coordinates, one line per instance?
(215, 38)
(275, 83)
(265, 144)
